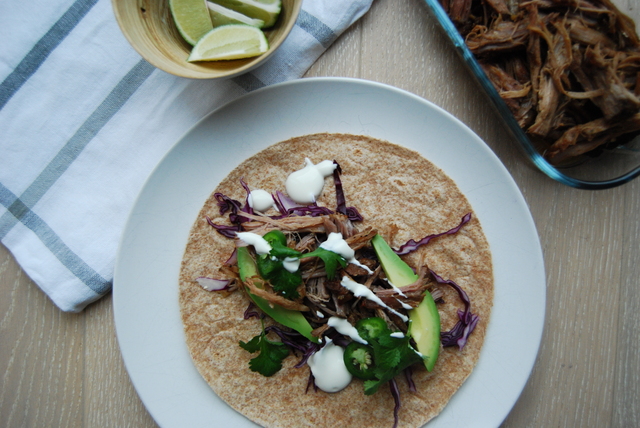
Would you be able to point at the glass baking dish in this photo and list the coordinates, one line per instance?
(611, 167)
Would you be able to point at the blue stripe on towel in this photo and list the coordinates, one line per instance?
(19, 209)
(248, 82)
(67, 257)
(39, 53)
(316, 28)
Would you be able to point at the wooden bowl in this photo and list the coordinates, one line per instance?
(149, 27)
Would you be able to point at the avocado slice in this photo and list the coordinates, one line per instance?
(287, 317)
(424, 320)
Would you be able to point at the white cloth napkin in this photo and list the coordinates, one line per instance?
(84, 120)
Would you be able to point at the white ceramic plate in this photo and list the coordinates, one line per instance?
(145, 288)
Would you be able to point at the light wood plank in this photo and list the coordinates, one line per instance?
(583, 279)
(41, 355)
(110, 399)
(342, 59)
(626, 394)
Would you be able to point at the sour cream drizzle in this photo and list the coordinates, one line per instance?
(259, 243)
(343, 326)
(404, 305)
(336, 244)
(396, 289)
(360, 290)
(305, 185)
(260, 200)
(327, 366)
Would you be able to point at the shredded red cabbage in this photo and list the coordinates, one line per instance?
(233, 206)
(408, 375)
(296, 342)
(352, 213)
(395, 392)
(459, 334)
(213, 284)
(412, 245)
(337, 338)
(247, 208)
(288, 207)
(227, 204)
(233, 258)
(251, 312)
(225, 230)
(311, 381)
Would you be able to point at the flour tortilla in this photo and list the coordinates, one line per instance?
(403, 196)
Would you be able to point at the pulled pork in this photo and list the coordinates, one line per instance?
(569, 70)
(321, 297)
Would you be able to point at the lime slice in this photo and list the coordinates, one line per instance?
(192, 19)
(230, 42)
(266, 10)
(220, 15)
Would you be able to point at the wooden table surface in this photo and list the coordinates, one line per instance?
(65, 370)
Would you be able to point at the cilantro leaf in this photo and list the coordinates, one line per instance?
(271, 267)
(283, 281)
(392, 355)
(331, 260)
(286, 282)
(269, 361)
(278, 242)
(281, 251)
(253, 345)
(371, 386)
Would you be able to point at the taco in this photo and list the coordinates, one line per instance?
(392, 192)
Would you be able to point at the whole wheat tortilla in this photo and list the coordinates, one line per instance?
(398, 192)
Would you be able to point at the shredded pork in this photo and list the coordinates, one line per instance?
(321, 297)
(569, 70)
(273, 298)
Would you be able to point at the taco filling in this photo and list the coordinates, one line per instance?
(314, 299)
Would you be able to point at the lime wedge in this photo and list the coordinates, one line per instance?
(266, 10)
(192, 19)
(230, 42)
(220, 16)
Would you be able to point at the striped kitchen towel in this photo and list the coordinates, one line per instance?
(84, 120)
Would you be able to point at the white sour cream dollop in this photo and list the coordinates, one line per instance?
(259, 243)
(305, 185)
(329, 371)
(260, 200)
